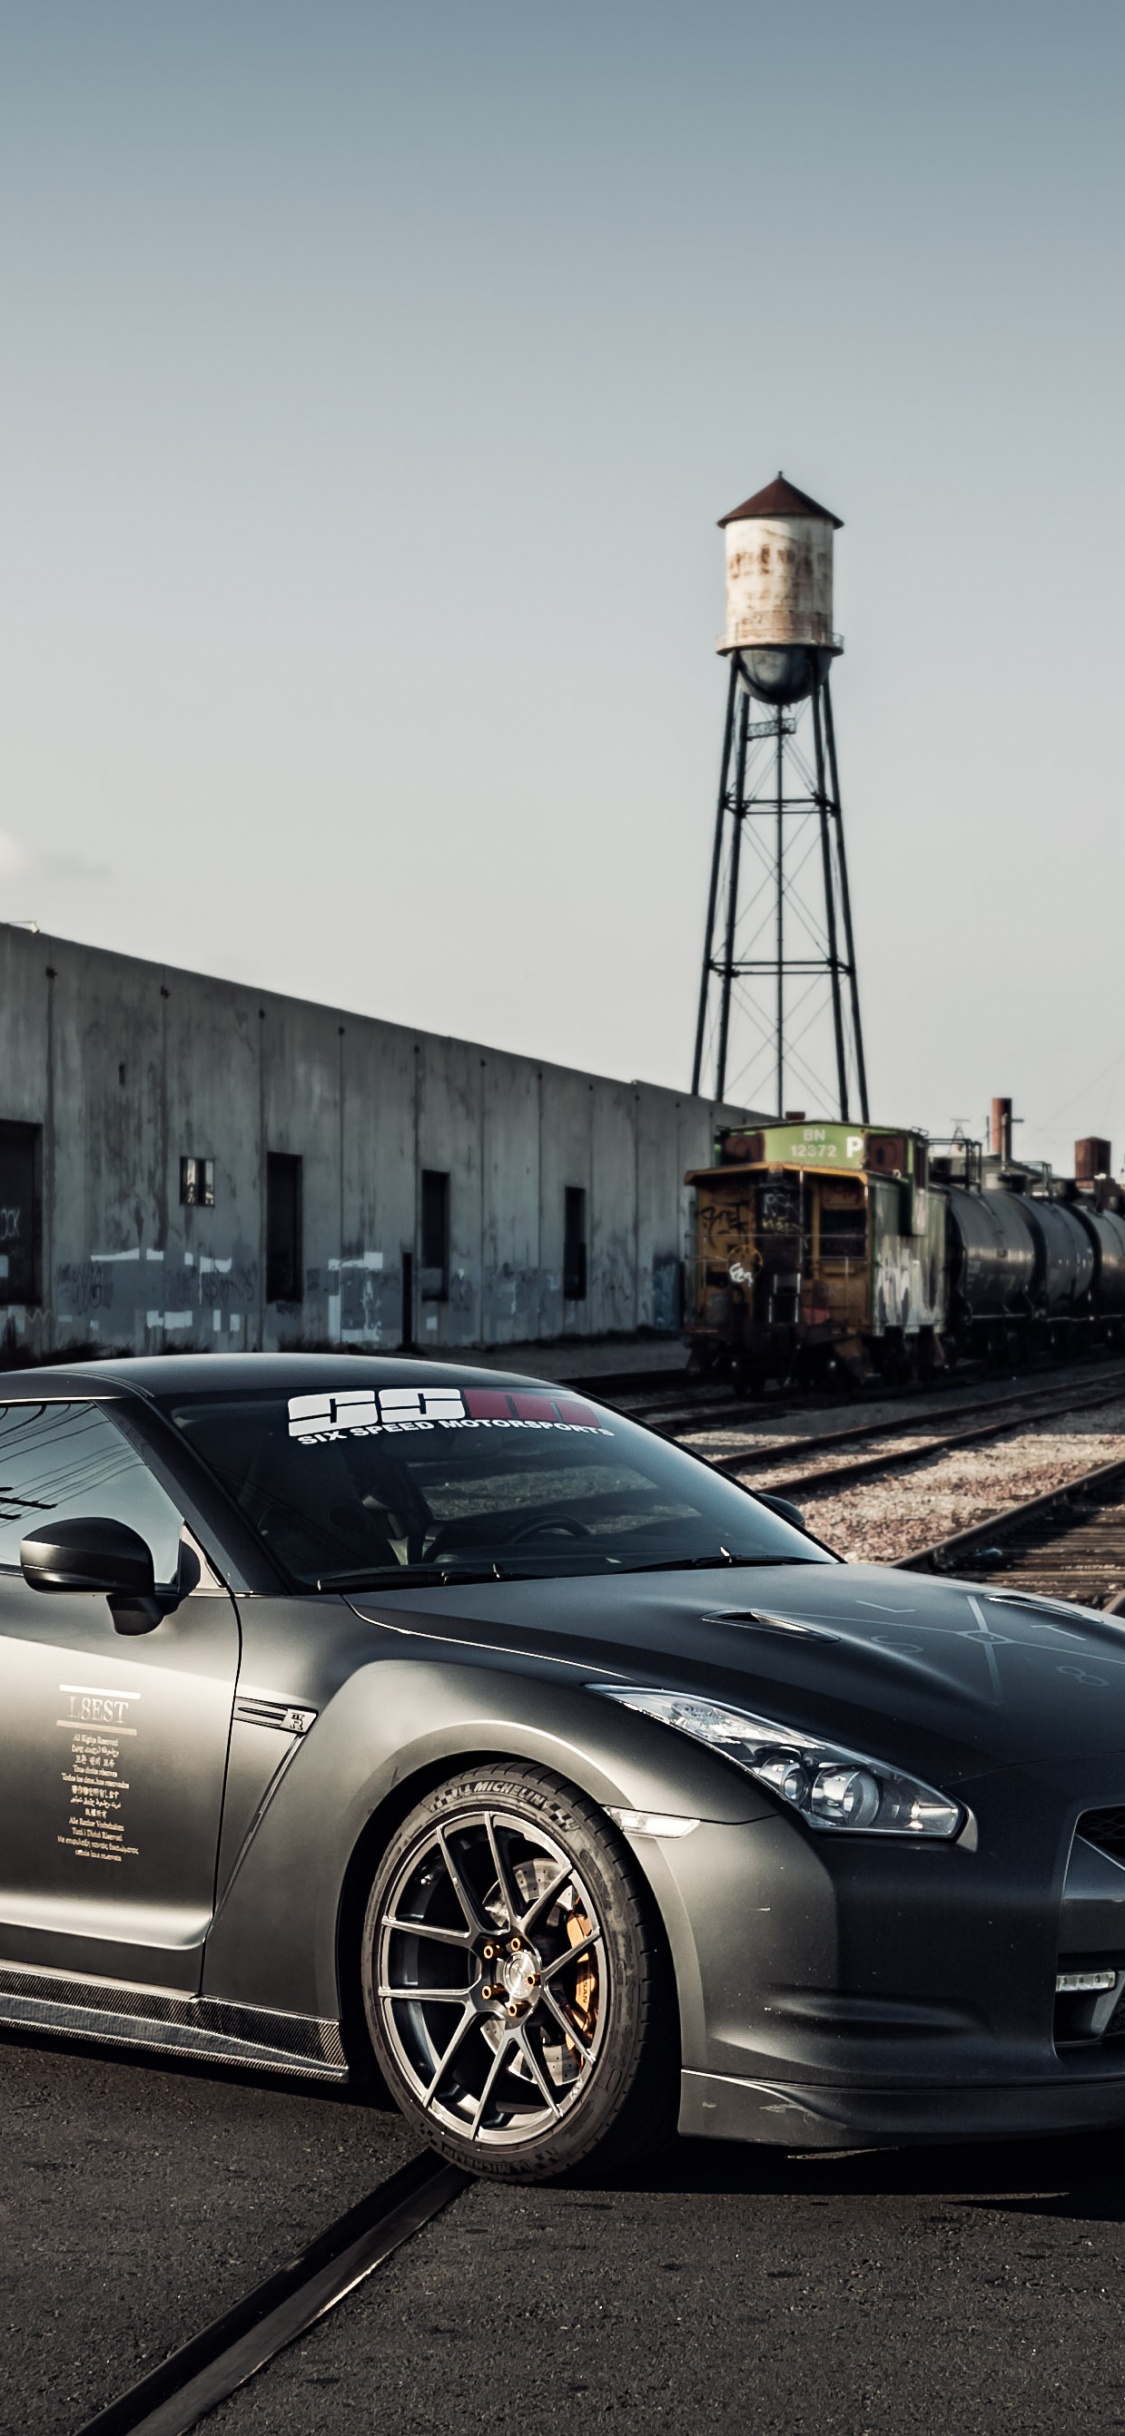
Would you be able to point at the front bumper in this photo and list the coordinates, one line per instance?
(797, 2115)
(842, 1990)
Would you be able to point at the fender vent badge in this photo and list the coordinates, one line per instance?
(252, 1708)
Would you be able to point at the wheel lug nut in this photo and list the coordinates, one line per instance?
(515, 2011)
(514, 1944)
(489, 1951)
(533, 1979)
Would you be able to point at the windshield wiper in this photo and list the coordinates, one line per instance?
(421, 1577)
(710, 1564)
(440, 1577)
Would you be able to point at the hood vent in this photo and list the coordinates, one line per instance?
(754, 1619)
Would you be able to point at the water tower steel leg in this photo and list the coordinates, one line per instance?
(738, 810)
(845, 897)
(780, 913)
(713, 894)
(830, 904)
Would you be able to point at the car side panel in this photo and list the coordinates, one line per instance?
(385, 1715)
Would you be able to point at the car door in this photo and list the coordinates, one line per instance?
(114, 1749)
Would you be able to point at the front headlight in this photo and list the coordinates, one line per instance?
(835, 1790)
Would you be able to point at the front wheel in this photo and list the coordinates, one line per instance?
(516, 1987)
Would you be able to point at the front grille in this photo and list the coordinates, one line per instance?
(1106, 1829)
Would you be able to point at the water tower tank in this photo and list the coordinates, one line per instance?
(779, 591)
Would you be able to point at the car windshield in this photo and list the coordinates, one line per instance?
(377, 1485)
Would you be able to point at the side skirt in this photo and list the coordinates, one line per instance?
(49, 2001)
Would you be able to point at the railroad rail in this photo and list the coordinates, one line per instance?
(1066, 1543)
(1008, 1413)
(214, 2363)
(707, 1406)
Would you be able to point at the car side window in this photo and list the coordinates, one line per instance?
(71, 1459)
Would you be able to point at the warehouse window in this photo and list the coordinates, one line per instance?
(434, 1280)
(283, 1228)
(408, 1298)
(197, 1184)
(20, 1214)
(574, 1244)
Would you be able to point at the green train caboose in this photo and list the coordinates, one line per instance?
(817, 1249)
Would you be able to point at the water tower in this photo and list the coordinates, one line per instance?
(779, 999)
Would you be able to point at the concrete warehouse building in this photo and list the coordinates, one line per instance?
(190, 1163)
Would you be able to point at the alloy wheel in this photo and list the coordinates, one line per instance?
(491, 1975)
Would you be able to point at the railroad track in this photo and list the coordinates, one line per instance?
(1065, 1543)
(698, 1401)
(1006, 1413)
(708, 1406)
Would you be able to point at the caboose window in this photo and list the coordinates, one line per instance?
(843, 1234)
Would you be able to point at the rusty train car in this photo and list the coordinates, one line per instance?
(867, 1251)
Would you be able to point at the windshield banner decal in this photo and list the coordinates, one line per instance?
(365, 1412)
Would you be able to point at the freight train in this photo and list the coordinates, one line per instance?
(861, 1252)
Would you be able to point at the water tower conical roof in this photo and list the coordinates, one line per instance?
(780, 498)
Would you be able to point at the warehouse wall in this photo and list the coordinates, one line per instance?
(127, 1067)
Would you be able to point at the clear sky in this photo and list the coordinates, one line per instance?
(373, 378)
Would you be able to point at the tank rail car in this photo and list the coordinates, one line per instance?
(826, 1251)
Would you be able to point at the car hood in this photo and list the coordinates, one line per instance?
(948, 1677)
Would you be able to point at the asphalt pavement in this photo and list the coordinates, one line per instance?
(138, 2200)
(940, 2292)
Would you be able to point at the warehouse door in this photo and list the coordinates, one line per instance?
(20, 1220)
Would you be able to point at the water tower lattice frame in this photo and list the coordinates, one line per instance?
(779, 959)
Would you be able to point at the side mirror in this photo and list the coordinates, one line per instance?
(785, 1507)
(96, 1554)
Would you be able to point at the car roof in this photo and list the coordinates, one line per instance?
(169, 1374)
